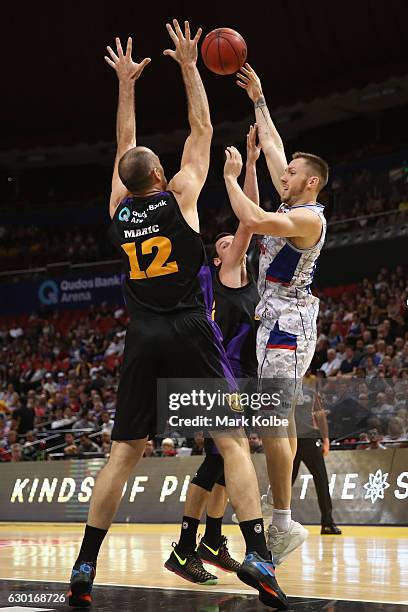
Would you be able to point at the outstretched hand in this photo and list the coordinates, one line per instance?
(253, 149)
(233, 163)
(186, 47)
(125, 68)
(249, 80)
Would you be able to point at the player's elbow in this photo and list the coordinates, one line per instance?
(204, 129)
(251, 223)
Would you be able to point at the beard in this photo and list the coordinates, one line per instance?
(293, 195)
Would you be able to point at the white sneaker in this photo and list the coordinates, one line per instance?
(266, 507)
(281, 543)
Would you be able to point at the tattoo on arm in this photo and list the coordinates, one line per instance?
(260, 102)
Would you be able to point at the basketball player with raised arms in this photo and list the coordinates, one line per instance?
(235, 299)
(293, 239)
(171, 335)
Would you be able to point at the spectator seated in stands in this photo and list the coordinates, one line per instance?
(168, 448)
(198, 445)
(106, 442)
(349, 363)
(149, 450)
(374, 441)
(86, 445)
(106, 422)
(17, 453)
(255, 443)
(86, 421)
(383, 409)
(30, 448)
(70, 447)
(397, 435)
(332, 365)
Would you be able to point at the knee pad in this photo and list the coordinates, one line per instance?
(209, 472)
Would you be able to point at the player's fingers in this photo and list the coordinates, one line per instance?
(119, 46)
(172, 33)
(178, 29)
(245, 71)
(198, 35)
(144, 63)
(187, 32)
(109, 61)
(243, 85)
(112, 54)
(242, 78)
(169, 52)
(129, 47)
(227, 154)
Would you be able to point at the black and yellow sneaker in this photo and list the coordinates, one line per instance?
(82, 577)
(219, 557)
(189, 566)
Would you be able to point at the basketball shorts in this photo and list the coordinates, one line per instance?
(284, 355)
(187, 345)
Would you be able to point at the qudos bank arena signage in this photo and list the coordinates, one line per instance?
(61, 293)
(367, 488)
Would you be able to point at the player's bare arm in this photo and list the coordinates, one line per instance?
(269, 137)
(127, 72)
(230, 271)
(189, 181)
(321, 419)
(300, 223)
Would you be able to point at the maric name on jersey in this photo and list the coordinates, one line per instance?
(144, 231)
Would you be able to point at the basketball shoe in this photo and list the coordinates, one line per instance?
(260, 575)
(189, 566)
(219, 557)
(82, 577)
(282, 543)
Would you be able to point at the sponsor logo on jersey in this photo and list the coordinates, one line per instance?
(124, 214)
(157, 205)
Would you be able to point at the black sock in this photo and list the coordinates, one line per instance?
(253, 532)
(188, 534)
(212, 534)
(93, 538)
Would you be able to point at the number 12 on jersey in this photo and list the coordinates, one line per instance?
(160, 264)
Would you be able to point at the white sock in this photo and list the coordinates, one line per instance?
(281, 519)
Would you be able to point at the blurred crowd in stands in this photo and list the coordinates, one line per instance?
(59, 373)
(365, 190)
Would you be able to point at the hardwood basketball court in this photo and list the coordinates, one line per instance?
(365, 568)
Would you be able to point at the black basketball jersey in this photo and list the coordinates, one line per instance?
(164, 258)
(234, 312)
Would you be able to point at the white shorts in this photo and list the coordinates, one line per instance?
(285, 349)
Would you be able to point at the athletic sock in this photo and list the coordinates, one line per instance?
(91, 543)
(188, 534)
(281, 519)
(253, 532)
(212, 535)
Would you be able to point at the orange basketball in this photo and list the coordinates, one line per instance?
(224, 51)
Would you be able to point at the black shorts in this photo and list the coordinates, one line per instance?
(185, 345)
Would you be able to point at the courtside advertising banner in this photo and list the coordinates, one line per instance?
(368, 487)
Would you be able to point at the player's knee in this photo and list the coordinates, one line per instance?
(232, 443)
(209, 472)
(125, 455)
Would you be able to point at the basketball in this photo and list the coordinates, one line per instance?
(224, 51)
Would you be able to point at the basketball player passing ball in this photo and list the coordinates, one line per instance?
(286, 340)
(169, 297)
